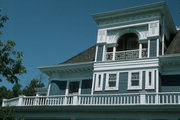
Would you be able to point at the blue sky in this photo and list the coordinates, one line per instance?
(50, 31)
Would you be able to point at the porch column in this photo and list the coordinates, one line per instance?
(114, 53)
(157, 87)
(157, 52)
(104, 53)
(148, 51)
(140, 50)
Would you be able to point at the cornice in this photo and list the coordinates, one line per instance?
(160, 7)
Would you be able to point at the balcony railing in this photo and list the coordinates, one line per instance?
(124, 55)
(107, 99)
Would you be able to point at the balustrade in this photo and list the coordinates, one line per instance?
(98, 99)
(124, 55)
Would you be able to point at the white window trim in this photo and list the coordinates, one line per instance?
(130, 87)
(147, 86)
(107, 81)
(99, 88)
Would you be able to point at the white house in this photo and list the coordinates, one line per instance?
(131, 73)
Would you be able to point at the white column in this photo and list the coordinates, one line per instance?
(142, 98)
(75, 99)
(66, 93)
(114, 53)
(80, 85)
(157, 81)
(20, 102)
(157, 87)
(49, 87)
(148, 52)
(3, 102)
(96, 53)
(140, 50)
(162, 45)
(157, 51)
(92, 89)
(104, 53)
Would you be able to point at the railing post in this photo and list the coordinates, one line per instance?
(3, 102)
(75, 100)
(143, 97)
(20, 102)
(36, 100)
(65, 100)
(140, 50)
(157, 98)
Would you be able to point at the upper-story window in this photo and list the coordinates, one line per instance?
(135, 80)
(112, 81)
(128, 41)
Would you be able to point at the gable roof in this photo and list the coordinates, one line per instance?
(86, 56)
(174, 46)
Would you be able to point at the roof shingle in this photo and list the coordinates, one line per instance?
(174, 46)
(85, 56)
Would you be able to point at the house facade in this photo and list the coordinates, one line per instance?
(131, 73)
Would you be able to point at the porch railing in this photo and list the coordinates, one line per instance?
(128, 54)
(102, 99)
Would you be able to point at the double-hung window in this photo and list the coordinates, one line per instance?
(112, 81)
(135, 80)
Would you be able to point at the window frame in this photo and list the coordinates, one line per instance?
(147, 86)
(96, 78)
(130, 87)
(116, 87)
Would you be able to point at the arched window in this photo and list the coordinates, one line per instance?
(128, 41)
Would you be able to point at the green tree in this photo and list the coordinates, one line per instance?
(5, 94)
(17, 90)
(30, 88)
(10, 59)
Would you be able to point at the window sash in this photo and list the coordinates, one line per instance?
(135, 80)
(112, 81)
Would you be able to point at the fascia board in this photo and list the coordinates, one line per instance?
(75, 65)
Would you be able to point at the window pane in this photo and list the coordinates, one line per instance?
(112, 83)
(135, 83)
(99, 80)
(150, 79)
(112, 80)
(135, 76)
(135, 79)
(112, 77)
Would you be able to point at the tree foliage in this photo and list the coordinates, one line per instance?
(30, 88)
(10, 59)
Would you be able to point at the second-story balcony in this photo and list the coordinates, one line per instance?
(164, 98)
(125, 55)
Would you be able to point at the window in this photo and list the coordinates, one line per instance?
(150, 78)
(112, 81)
(135, 80)
(98, 81)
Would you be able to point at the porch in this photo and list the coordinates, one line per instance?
(164, 98)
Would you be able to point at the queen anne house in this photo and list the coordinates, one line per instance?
(131, 73)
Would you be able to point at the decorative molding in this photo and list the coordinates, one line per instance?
(112, 36)
(101, 35)
(129, 18)
(153, 28)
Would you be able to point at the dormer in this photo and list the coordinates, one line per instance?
(133, 33)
